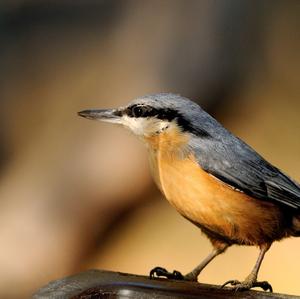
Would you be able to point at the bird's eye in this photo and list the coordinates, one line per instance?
(138, 111)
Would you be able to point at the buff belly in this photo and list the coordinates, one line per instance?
(213, 205)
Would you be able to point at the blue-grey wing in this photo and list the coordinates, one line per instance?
(237, 164)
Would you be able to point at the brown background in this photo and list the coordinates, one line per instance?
(75, 194)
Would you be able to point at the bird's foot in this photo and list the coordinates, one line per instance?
(248, 284)
(162, 272)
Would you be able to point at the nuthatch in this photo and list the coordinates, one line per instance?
(212, 178)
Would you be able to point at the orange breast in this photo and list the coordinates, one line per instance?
(206, 200)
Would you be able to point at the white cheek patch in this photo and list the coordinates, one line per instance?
(136, 125)
(143, 126)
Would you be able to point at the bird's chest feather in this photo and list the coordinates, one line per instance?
(204, 199)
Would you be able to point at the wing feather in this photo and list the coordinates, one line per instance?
(237, 164)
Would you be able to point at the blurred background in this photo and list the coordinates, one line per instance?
(75, 194)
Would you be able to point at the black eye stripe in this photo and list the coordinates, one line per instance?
(147, 111)
(164, 114)
(140, 111)
(167, 114)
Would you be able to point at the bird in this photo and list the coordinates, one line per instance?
(212, 178)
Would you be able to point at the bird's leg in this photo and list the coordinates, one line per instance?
(251, 279)
(191, 276)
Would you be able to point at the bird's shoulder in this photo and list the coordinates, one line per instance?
(234, 162)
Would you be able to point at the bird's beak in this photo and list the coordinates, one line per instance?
(107, 115)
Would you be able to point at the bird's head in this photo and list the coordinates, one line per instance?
(151, 115)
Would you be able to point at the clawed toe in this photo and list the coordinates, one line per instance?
(243, 286)
(264, 285)
(162, 272)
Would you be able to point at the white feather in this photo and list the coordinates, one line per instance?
(145, 126)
